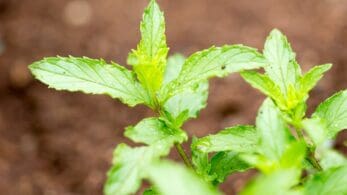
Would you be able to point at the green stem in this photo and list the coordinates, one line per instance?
(310, 157)
(183, 155)
(178, 146)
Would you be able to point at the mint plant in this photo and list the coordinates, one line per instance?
(282, 145)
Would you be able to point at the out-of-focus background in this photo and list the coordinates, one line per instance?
(61, 143)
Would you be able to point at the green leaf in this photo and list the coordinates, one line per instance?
(265, 85)
(332, 181)
(90, 76)
(330, 158)
(273, 130)
(173, 179)
(237, 139)
(173, 67)
(187, 104)
(151, 191)
(149, 59)
(333, 112)
(283, 69)
(155, 131)
(216, 61)
(200, 162)
(225, 163)
(291, 158)
(310, 79)
(130, 167)
(316, 129)
(280, 182)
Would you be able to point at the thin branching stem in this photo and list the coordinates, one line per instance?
(183, 155)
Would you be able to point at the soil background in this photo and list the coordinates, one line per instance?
(61, 143)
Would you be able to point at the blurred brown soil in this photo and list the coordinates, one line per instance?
(61, 143)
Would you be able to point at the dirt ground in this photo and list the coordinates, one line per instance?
(61, 143)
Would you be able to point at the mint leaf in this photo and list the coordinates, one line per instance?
(187, 104)
(173, 67)
(155, 131)
(310, 79)
(280, 182)
(200, 161)
(317, 130)
(151, 191)
(333, 112)
(90, 76)
(225, 163)
(179, 180)
(216, 61)
(129, 168)
(293, 156)
(272, 129)
(237, 139)
(332, 181)
(283, 69)
(330, 158)
(149, 59)
(264, 84)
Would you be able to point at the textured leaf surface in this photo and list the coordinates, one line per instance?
(149, 59)
(188, 103)
(130, 167)
(226, 163)
(216, 61)
(90, 76)
(332, 181)
(333, 112)
(238, 139)
(282, 69)
(272, 129)
(310, 79)
(265, 85)
(154, 131)
(173, 179)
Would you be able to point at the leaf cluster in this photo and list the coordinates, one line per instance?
(282, 145)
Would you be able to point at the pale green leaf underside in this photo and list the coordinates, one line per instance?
(187, 103)
(333, 112)
(173, 67)
(154, 131)
(329, 182)
(237, 139)
(174, 179)
(90, 76)
(216, 61)
(272, 129)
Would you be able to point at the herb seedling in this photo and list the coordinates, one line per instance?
(177, 88)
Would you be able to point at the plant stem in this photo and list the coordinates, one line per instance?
(183, 155)
(310, 157)
(178, 146)
(314, 162)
